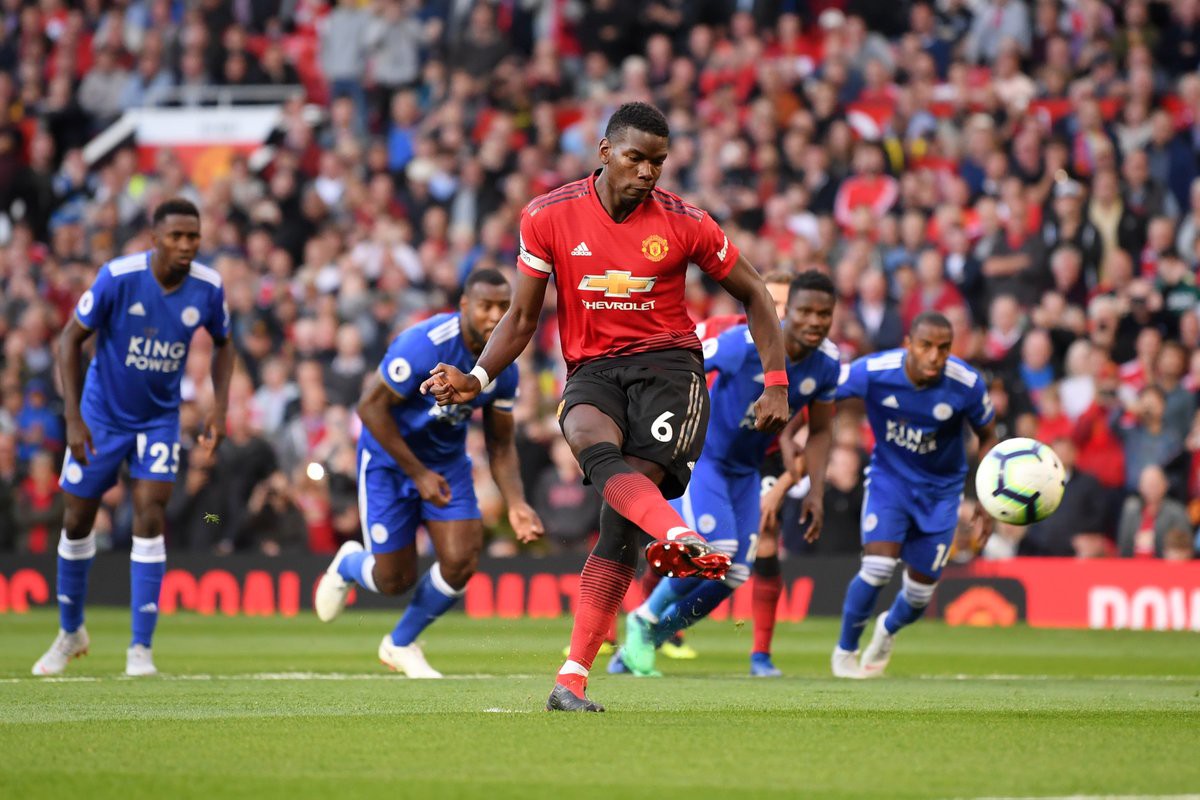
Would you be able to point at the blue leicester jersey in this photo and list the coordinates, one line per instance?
(436, 434)
(143, 333)
(918, 432)
(732, 440)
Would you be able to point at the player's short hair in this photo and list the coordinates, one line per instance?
(638, 116)
(175, 206)
(812, 280)
(488, 275)
(779, 276)
(933, 318)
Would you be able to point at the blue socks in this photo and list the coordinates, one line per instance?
(147, 565)
(697, 605)
(909, 605)
(359, 568)
(432, 598)
(860, 602)
(75, 558)
(668, 591)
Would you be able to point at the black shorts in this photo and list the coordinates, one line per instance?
(659, 401)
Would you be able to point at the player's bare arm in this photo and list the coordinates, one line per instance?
(983, 522)
(374, 411)
(449, 385)
(746, 285)
(816, 456)
(789, 451)
(222, 372)
(498, 429)
(70, 348)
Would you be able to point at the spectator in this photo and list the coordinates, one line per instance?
(39, 506)
(344, 44)
(876, 312)
(10, 492)
(998, 21)
(38, 425)
(1081, 525)
(569, 510)
(1147, 441)
(868, 188)
(1180, 404)
(1149, 516)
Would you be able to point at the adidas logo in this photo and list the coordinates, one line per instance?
(65, 600)
(148, 608)
(137, 310)
(890, 401)
(581, 249)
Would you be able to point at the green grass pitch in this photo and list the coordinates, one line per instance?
(266, 708)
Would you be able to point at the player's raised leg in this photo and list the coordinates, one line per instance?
(76, 551)
(147, 566)
(602, 585)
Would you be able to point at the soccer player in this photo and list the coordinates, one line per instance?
(413, 470)
(144, 309)
(724, 493)
(635, 408)
(917, 400)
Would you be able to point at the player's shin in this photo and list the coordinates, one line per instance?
(861, 595)
(668, 591)
(147, 565)
(768, 586)
(432, 598)
(909, 605)
(75, 558)
(630, 493)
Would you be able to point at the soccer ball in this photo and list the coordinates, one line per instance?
(1020, 481)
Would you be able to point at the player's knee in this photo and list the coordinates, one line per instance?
(76, 523)
(458, 569)
(877, 570)
(394, 582)
(917, 594)
(149, 520)
(737, 575)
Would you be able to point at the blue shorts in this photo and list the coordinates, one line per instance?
(390, 508)
(153, 455)
(725, 510)
(922, 521)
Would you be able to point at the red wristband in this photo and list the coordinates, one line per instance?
(776, 377)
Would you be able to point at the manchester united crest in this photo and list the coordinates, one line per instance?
(655, 248)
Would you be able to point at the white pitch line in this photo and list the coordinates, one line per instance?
(1099, 797)
(260, 676)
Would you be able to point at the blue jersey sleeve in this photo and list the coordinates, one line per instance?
(853, 380)
(505, 397)
(217, 318)
(727, 352)
(979, 408)
(95, 305)
(407, 362)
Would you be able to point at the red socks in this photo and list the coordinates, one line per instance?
(602, 586)
(765, 599)
(637, 499)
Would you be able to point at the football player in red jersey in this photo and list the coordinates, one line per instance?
(634, 409)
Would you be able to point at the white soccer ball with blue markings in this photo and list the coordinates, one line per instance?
(1020, 481)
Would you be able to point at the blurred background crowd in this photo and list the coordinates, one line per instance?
(1027, 168)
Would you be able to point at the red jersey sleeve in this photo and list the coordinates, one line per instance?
(712, 251)
(533, 257)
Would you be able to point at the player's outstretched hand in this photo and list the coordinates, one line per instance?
(433, 488)
(450, 385)
(812, 511)
(771, 411)
(982, 525)
(214, 431)
(79, 440)
(526, 523)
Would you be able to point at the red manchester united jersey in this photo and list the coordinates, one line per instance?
(620, 285)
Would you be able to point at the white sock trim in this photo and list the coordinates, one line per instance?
(367, 574)
(645, 613)
(918, 595)
(77, 549)
(573, 668)
(148, 550)
(439, 583)
(877, 570)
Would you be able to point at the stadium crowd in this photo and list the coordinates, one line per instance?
(1029, 169)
